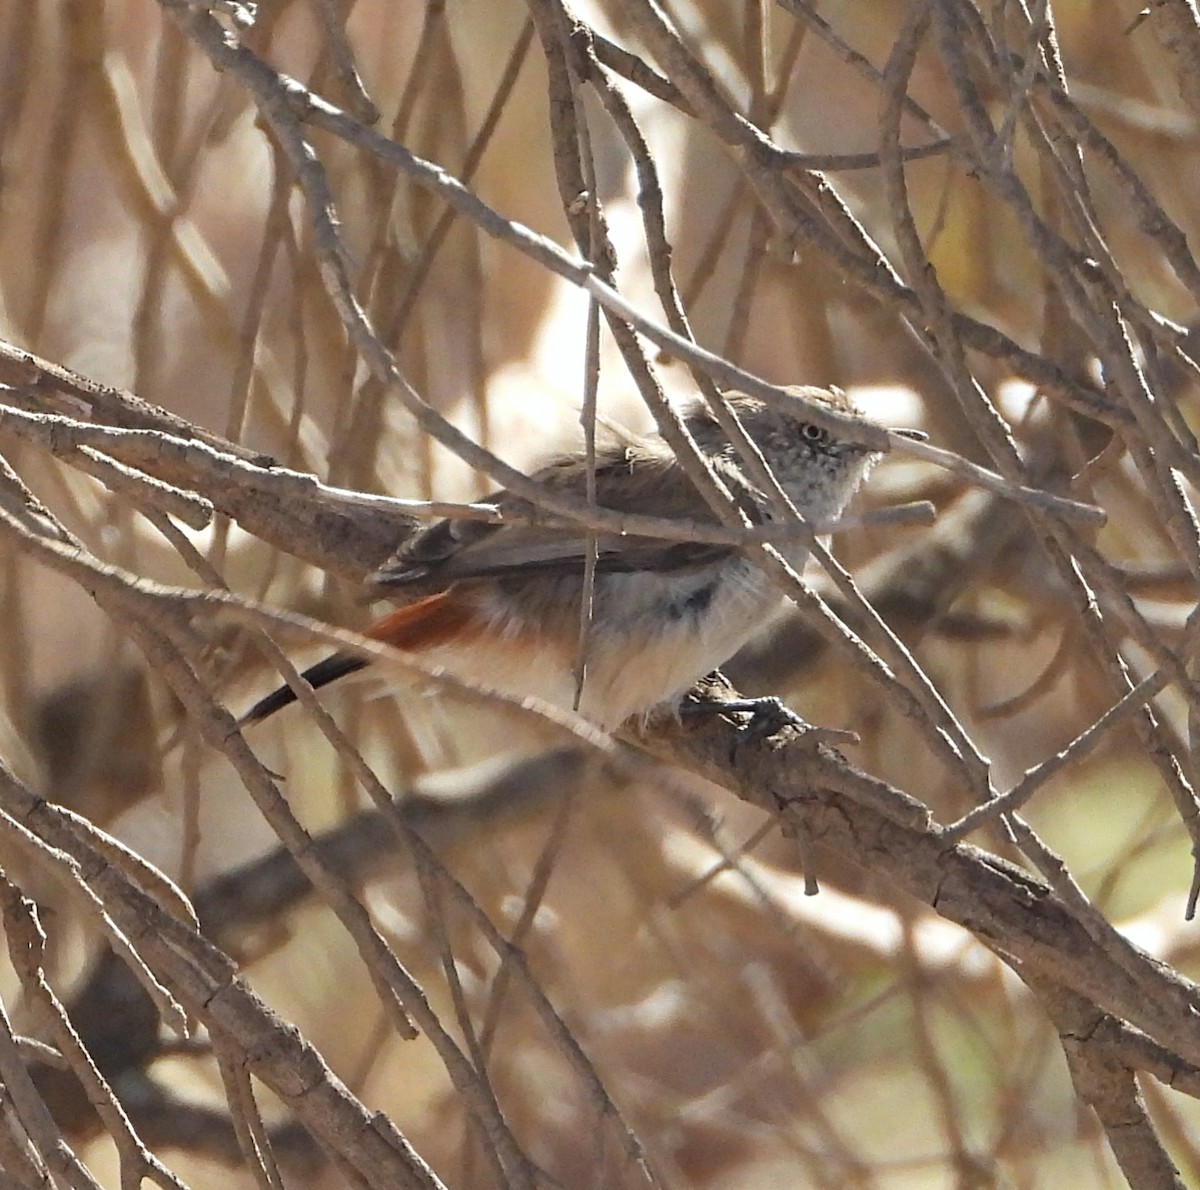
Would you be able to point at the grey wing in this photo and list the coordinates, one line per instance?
(628, 479)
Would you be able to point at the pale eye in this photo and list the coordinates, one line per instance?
(814, 433)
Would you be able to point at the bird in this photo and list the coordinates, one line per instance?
(499, 604)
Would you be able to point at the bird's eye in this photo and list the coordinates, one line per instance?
(814, 433)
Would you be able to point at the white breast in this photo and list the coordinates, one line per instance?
(651, 638)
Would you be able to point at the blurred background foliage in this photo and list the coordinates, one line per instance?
(152, 238)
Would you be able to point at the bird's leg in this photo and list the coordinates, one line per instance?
(714, 695)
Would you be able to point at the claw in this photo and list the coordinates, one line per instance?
(768, 715)
(713, 695)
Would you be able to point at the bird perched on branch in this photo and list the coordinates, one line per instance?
(500, 604)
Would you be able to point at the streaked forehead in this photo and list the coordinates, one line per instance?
(807, 396)
(832, 398)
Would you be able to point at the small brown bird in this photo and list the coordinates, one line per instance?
(501, 602)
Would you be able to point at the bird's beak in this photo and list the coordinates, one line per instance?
(911, 435)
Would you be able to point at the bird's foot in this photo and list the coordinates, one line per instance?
(767, 714)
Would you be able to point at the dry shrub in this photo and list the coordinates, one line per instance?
(977, 217)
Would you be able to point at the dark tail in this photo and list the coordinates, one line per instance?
(422, 625)
(321, 674)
